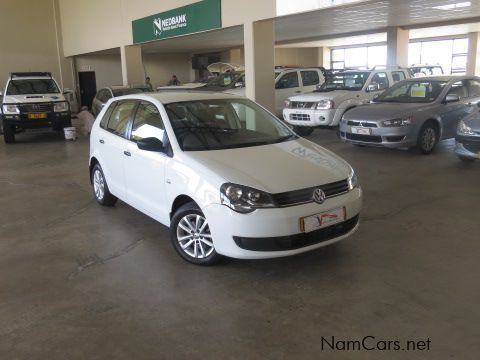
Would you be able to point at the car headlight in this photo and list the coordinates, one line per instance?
(352, 181)
(60, 106)
(463, 129)
(287, 103)
(397, 122)
(244, 199)
(325, 105)
(10, 109)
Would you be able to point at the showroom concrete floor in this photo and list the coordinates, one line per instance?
(78, 281)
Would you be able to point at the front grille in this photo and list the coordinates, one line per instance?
(302, 196)
(362, 123)
(284, 243)
(42, 107)
(365, 138)
(395, 138)
(302, 105)
(300, 117)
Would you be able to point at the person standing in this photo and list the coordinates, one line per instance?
(148, 83)
(174, 81)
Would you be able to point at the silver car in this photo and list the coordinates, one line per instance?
(467, 140)
(105, 94)
(413, 113)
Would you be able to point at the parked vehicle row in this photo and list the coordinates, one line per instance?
(107, 93)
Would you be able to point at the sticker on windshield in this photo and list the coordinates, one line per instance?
(350, 82)
(227, 80)
(418, 91)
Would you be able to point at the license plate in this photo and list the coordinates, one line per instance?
(37, 116)
(324, 219)
(361, 131)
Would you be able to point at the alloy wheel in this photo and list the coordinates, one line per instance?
(429, 139)
(98, 185)
(194, 237)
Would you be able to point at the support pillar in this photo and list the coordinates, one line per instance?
(133, 72)
(259, 39)
(473, 55)
(397, 46)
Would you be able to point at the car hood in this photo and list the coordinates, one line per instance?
(337, 96)
(276, 168)
(384, 111)
(22, 99)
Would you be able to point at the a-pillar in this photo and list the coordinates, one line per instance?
(133, 72)
(397, 46)
(473, 56)
(259, 40)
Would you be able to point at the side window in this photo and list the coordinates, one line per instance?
(473, 88)
(310, 78)
(398, 76)
(459, 89)
(381, 80)
(147, 123)
(287, 81)
(118, 121)
(107, 115)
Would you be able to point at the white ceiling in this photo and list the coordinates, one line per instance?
(358, 23)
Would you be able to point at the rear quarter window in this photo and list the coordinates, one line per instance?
(106, 116)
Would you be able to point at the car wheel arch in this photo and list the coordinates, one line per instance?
(179, 201)
(93, 161)
(437, 124)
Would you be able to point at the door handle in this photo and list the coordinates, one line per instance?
(101, 141)
(127, 153)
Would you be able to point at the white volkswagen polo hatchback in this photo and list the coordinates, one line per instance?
(223, 173)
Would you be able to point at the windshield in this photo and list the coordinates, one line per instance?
(345, 81)
(413, 92)
(32, 86)
(121, 92)
(226, 79)
(224, 124)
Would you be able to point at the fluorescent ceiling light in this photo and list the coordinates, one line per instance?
(454, 6)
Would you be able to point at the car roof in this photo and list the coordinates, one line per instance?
(31, 77)
(442, 78)
(168, 97)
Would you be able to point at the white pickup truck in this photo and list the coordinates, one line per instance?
(341, 92)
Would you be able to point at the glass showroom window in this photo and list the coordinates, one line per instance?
(359, 58)
(451, 54)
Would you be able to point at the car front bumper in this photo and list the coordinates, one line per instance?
(390, 137)
(309, 117)
(56, 120)
(270, 233)
(468, 146)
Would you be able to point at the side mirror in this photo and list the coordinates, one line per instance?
(450, 98)
(150, 144)
(239, 84)
(372, 87)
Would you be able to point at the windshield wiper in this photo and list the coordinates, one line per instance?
(284, 138)
(208, 128)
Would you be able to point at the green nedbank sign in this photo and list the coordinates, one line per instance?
(200, 16)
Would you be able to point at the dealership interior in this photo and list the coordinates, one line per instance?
(84, 281)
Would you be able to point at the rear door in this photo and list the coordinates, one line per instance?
(288, 84)
(113, 144)
(145, 170)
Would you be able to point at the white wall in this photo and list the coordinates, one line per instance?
(28, 39)
(161, 67)
(108, 68)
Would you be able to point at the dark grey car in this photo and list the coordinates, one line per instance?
(105, 94)
(467, 140)
(413, 113)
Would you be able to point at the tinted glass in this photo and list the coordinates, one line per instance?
(413, 92)
(310, 78)
(474, 88)
(147, 123)
(287, 81)
(224, 124)
(121, 92)
(226, 79)
(345, 81)
(107, 115)
(398, 76)
(459, 89)
(32, 86)
(381, 80)
(118, 121)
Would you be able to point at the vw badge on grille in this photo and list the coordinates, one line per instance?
(319, 196)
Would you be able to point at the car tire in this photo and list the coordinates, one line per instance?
(9, 133)
(427, 138)
(191, 237)
(303, 130)
(100, 187)
(466, 159)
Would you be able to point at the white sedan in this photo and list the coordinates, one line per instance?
(224, 174)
